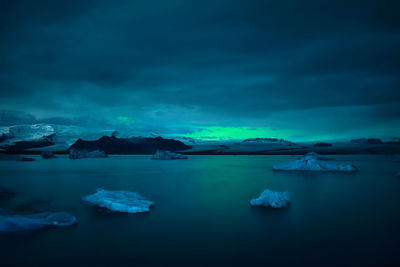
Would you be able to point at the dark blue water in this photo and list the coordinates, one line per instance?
(202, 216)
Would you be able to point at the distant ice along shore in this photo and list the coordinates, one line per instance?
(15, 157)
(80, 154)
(310, 162)
(36, 138)
(165, 155)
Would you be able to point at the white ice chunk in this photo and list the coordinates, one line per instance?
(165, 154)
(80, 154)
(313, 164)
(119, 201)
(14, 223)
(272, 199)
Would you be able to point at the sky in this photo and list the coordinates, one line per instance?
(299, 70)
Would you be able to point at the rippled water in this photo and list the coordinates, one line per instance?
(202, 215)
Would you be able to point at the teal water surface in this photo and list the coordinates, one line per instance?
(202, 214)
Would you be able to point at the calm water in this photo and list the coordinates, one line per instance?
(202, 215)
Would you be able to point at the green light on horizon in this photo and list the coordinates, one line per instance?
(231, 133)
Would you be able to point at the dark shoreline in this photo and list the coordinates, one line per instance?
(213, 152)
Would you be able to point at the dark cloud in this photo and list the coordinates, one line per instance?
(168, 64)
(11, 117)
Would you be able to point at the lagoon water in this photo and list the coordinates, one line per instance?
(202, 214)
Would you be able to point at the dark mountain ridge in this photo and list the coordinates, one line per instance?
(135, 145)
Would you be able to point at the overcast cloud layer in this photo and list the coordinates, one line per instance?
(303, 70)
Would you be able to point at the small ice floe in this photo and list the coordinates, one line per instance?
(311, 155)
(165, 154)
(398, 174)
(48, 155)
(272, 199)
(80, 154)
(15, 157)
(16, 223)
(119, 201)
(311, 163)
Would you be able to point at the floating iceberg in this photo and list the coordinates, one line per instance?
(165, 154)
(48, 155)
(272, 199)
(313, 164)
(119, 201)
(80, 154)
(313, 155)
(15, 223)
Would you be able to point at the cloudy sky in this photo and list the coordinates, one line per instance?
(301, 70)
